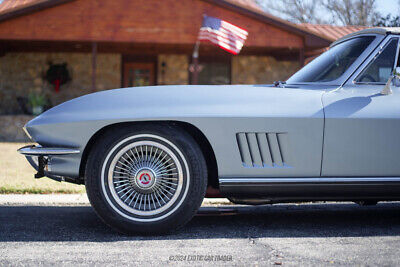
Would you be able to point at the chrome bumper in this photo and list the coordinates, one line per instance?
(46, 151)
(40, 158)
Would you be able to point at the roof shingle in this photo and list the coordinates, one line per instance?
(11, 5)
(250, 4)
(330, 31)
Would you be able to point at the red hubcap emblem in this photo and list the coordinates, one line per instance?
(145, 178)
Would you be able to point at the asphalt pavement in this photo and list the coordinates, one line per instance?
(286, 234)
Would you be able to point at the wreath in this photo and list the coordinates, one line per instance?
(57, 75)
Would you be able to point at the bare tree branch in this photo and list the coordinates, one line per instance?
(298, 11)
(353, 12)
(344, 12)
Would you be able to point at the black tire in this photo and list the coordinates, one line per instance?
(366, 202)
(188, 176)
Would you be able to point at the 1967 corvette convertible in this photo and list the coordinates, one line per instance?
(149, 155)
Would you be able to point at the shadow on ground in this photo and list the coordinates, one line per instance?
(80, 223)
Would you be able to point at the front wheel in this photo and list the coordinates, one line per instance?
(146, 179)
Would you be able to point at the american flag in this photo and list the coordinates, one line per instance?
(224, 34)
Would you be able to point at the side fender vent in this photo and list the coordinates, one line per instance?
(263, 150)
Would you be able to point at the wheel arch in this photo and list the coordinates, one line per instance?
(192, 130)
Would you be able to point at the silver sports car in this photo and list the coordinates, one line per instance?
(148, 156)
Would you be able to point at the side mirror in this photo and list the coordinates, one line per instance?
(387, 90)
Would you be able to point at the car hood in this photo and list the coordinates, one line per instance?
(177, 101)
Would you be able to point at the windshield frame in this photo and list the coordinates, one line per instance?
(353, 78)
(356, 64)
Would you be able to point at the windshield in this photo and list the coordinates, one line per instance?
(333, 63)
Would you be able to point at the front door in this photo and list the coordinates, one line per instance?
(362, 126)
(139, 74)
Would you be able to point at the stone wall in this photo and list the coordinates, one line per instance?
(261, 70)
(11, 128)
(174, 71)
(21, 73)
(245, 69)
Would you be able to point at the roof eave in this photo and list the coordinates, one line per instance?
(375, 30)
(30, 9)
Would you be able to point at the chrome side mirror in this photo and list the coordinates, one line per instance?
(387, 90)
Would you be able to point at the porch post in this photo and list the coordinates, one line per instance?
(94, 63)
(2, 50)
(195, 61)
(301, 57)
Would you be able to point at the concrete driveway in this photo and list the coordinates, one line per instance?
(312, 234)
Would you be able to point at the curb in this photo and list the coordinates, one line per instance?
(71, 199)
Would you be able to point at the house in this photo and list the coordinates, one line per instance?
(67, 48)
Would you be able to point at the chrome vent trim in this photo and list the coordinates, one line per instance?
(263, 150)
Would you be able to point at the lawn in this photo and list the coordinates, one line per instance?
(16, 175)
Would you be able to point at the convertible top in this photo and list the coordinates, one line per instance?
(380, 30)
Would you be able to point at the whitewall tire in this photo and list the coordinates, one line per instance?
(146, 178)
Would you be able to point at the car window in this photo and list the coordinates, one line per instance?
(398, 58)
(333, 63)
(381, 67)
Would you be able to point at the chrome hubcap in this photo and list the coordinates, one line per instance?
(145, 178)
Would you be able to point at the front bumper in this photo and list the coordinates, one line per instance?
(32, 150)
(40, 159)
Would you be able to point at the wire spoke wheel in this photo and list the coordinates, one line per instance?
(145, 178)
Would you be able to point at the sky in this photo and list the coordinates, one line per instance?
(386, 6)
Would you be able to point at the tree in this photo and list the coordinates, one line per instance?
(388, 21)
(353, 12)
(342, 12)
(297, 11)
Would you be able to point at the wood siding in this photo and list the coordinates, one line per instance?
(137, 21)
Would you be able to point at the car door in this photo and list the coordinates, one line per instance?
(362, 126)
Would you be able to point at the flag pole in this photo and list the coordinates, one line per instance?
(195, 62)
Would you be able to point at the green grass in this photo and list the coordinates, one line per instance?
(16, 175)
(14, 190)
